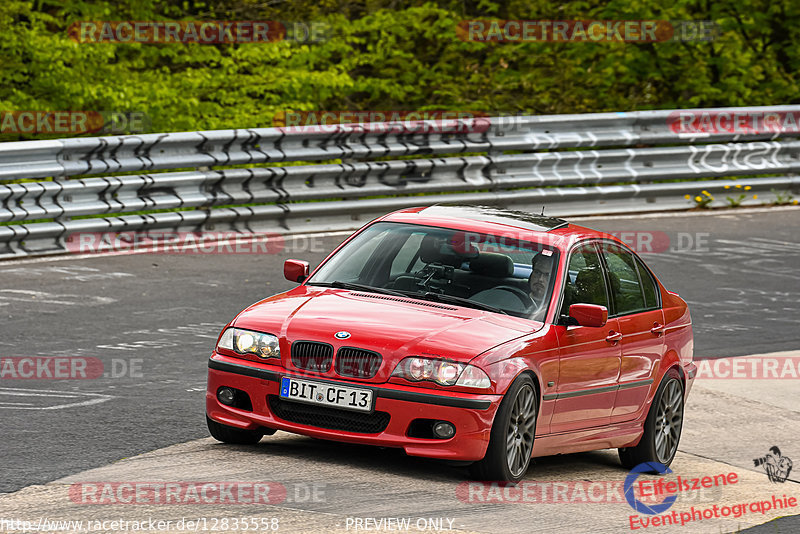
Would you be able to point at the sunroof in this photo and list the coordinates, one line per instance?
(520, 219)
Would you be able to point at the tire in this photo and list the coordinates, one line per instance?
(232, 435)
(511, 442)
(664, 421)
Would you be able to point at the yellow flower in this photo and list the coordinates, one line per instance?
(698, 198)
(738, 186)
(755, 197)
(727, 187)
(796, 202)
(706, 193)
(747, 188)
(687, 197)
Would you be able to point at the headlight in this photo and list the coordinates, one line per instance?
(249, 342)
(443, 372)
(474, 377)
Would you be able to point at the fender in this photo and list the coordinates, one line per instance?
(536, 354)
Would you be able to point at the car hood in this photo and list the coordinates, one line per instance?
(392, 326)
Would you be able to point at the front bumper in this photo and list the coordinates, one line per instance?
(472, 415)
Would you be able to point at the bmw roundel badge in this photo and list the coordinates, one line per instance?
(341, 335)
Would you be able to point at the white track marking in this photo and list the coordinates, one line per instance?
(27, 295)
(77, 272)
(26, 393)
(91, 398)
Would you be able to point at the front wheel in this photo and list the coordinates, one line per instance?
(662, 428)
(511, 442)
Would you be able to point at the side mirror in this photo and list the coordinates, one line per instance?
(589, 314)
(295, 270)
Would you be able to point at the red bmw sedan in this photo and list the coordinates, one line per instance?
(464, 333)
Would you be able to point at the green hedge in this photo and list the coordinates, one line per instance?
(390, 55)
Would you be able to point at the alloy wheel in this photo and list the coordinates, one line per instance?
(521, 429)
(669, 419)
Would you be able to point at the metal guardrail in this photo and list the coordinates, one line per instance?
(568, 162)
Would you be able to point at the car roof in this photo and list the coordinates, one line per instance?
(494, 220)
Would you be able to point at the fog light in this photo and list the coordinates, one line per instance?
(226, 396)
(444, 430)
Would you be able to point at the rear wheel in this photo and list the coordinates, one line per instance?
(229, 434)
(511, 444)
(662, 428)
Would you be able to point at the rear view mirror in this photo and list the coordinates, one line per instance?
(295, 270)
(589, 314)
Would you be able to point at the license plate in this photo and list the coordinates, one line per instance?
(326, 394)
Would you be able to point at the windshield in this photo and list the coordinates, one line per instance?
(495, 273)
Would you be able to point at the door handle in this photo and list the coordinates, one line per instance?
(614, 337)
(658, 329)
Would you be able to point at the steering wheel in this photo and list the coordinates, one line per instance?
(525, 299)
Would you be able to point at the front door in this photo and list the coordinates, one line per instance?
(589, 357)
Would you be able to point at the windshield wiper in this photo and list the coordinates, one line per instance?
(455, 300)
(357, 287)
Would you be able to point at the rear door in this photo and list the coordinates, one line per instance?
(635, 304)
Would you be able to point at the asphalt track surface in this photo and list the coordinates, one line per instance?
(153, 319)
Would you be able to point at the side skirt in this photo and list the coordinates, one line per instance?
(589, 439)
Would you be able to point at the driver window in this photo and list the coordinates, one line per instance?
(627, 289)
(585, 283)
